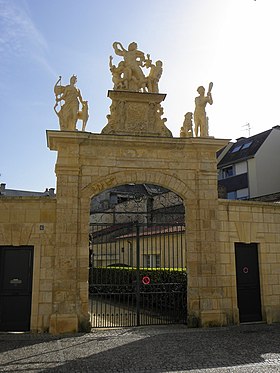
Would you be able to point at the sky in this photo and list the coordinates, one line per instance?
(232, 43)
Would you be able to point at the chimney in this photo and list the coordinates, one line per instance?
(51, 192)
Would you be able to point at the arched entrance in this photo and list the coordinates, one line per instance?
(137, 257)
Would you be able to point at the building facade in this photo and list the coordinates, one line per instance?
(249, 168)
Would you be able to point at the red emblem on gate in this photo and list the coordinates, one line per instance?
(146, 280)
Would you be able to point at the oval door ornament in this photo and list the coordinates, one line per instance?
(245, 270)
(146, 280)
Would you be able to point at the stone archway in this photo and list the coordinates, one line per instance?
(166, 180)
(90, 163)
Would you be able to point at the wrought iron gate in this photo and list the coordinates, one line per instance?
(137, 266)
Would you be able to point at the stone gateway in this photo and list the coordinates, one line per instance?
(137, 147)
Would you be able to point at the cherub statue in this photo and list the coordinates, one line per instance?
(187, 128)
(154, 75)
(69, 112)
(119, 77)
(200, 119)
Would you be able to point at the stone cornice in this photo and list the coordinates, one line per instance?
(56, 138)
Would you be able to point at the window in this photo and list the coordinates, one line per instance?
(247, 145)
(236, 148)
(152, 260)
(242, 193)
(227, 172)
(233, 170)
(231, 195)
(241, 168)
(238, 194)
(122, 199)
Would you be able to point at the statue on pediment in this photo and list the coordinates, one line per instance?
(70, 112)
(187, 128)
(200, 118)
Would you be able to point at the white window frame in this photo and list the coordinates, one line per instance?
(224, 172)
(151, 260)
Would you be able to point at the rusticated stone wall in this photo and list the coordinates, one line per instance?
(30, 221)
(251, 222)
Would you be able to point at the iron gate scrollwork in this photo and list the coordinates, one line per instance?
(137, 258)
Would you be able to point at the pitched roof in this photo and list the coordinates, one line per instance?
(273, 197)
(244, 148)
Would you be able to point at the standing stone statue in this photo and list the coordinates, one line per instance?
(69, 112)
(119, 75)
(200, 119)
(154, 75)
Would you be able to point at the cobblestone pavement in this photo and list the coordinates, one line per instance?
(173, 348)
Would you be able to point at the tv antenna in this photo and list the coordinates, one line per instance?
(248, 128)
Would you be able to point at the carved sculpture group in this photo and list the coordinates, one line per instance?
(136, 102)
(128, 76)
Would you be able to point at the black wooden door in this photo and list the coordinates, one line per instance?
(248, 283)
(16, 267)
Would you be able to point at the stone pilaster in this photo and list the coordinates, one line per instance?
(205, 290)
(68, 313)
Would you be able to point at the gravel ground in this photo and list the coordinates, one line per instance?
(172, 348)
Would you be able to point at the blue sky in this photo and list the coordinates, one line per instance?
(234, 43)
